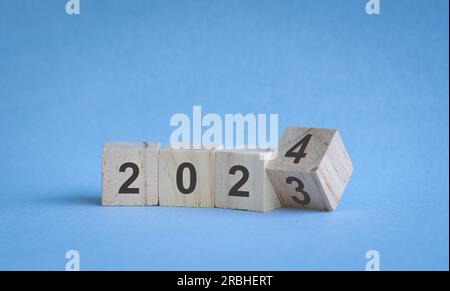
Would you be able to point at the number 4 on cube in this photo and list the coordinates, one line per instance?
(312, 168)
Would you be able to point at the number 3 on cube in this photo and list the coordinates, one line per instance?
(312, 168)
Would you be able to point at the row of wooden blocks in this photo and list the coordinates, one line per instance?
(310, 169)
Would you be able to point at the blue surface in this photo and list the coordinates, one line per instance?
(120, 69)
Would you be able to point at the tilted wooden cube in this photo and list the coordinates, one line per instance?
(241, 181)
(185, 177)
(130, 173)
(312, 168)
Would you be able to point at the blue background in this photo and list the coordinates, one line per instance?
(121, 69)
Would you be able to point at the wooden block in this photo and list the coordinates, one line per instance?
(311, 169)
(130, 173)
(241, 181)
(185, 177)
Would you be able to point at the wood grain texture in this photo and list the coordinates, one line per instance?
(145, 156)
(203, 162)
(324, 171)
(261, 195)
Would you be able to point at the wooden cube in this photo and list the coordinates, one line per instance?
(186, 177)
(241, 181)
(311, 169)
(130, 173)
